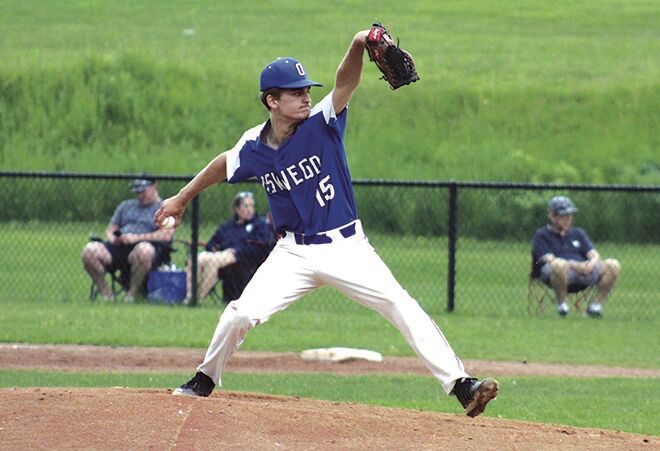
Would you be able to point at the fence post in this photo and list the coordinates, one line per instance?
(451, 254)
(194, 239)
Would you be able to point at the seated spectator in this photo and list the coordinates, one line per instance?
(134, 243)
(235, 251)
(564, 258)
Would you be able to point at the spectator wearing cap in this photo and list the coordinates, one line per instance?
(565, 257)
(134, 244)
(235, 251)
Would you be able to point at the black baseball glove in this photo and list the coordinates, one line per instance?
(397, 65)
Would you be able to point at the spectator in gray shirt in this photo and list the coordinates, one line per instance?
(134, 243)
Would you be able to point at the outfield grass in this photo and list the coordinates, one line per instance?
(560, 91)
(46, 302)
(528, 91)
(308, 325)
(492, 276)
(620, 404)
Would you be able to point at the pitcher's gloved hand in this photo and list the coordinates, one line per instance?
(397, 65)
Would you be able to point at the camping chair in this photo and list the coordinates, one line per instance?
(233, 280)
(539, 294)
(119, 283)
(120, 278)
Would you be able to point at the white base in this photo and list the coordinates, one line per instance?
(340, 355)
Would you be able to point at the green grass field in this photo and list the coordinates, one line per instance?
(45, 302)
(621, 404)
(492, 276)
(544, 399)
(309, 325)
(535, 91)
(526, 91)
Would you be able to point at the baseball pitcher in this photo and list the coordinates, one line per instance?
(298, 155)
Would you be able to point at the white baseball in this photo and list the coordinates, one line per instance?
(168, 222)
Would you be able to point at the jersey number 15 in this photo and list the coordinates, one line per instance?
(325, 191)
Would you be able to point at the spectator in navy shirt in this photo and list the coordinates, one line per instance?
(565, 259)
(235, 251)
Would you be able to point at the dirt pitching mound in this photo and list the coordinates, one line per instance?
(120, 418)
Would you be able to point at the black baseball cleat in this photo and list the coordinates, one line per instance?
(474, 394)
(200, 385)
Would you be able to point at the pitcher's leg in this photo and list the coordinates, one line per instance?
(228, 336)
(366, 279)
(282, 279)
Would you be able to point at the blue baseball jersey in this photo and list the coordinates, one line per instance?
(306, 179)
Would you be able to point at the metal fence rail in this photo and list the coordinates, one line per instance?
(454, 245)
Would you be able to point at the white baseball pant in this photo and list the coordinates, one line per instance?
(350, 265)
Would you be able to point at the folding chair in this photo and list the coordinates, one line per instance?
(539, 294)
(233, 279)
(120, 278)
(232, 283)
(119, 283)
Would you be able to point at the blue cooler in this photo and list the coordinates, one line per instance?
(168, 287)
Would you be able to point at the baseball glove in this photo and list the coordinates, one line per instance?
(397, 65)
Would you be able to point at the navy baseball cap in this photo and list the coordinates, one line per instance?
(285, 73)
(562, 206)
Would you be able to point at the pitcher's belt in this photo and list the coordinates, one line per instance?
(340, 233)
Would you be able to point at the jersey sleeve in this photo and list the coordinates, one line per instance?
(237, 168)
(334, 121)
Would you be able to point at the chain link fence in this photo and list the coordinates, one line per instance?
(453, 246)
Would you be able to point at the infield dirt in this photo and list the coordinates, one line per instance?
(122, 418)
